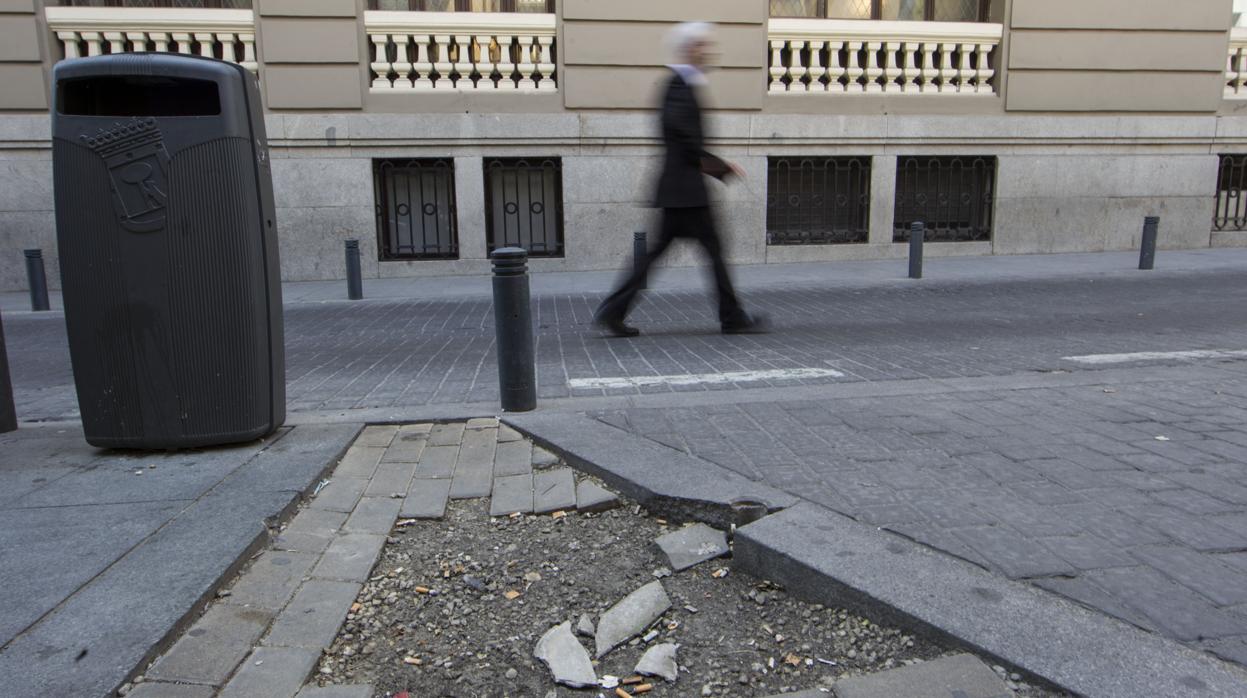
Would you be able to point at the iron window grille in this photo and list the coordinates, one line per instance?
(416, 215)
(817, 201)
(904, 10)
(953, 196)
(524, 205)
(1231, 211)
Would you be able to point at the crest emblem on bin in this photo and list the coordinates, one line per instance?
(138, 169)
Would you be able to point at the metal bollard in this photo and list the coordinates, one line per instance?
(513, 325)
(354, 279)
(38, 279)
(917, 232)
(8, 413)
(640, 248)
(1147, 251)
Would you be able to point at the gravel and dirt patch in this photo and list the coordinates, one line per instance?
(455, 607)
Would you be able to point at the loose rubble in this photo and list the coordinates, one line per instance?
(630, 617)
(659, 660)
(568, 661)
(435, 618)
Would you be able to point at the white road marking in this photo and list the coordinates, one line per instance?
(704, 378)
(1100, 359)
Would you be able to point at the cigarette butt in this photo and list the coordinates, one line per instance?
(512, 595)
(422, 590)
(558, 514)
(632, 680)
(356, 606)
(622, 693)
(643, 688)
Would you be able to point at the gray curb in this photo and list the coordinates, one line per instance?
(828, 558)
(658, 477)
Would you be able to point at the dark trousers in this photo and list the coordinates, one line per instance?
(694, 223)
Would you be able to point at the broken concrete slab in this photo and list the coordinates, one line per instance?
(512, 494)
(585, 626)
(566, 658)
(659, 660)
(426, 500)
(592, 497)
(692, 545)
(554, 490)
(631, 616)
(958, 676)
(655, 476)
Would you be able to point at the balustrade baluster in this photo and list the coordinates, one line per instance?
(248, 52)
(982, 81)
(463, 62)
(526, 65)
(929, 70)
(911, 74)
(546, 63)
(442, 66)
(95, 43)
(817, 70)
(855, 70)
(835, 71)
(161, 40)
(207, 47)
(947, 71)
(965, 74)
(873, 70)
(777, 66)
(892, 72)
(138, 41)
(485, 63)
(381, 62)
(116, 42)
(183, 41)
(69, 40)
(424, 65)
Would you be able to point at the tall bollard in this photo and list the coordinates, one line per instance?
(38, 280)
(354, 279)
(513, 325)
(640, 248)
(917, 232)
(8, 413)
(1147, 251)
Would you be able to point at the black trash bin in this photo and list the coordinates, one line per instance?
(168, 251)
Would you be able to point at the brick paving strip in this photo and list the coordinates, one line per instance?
(265, 634)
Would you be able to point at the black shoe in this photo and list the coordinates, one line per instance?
(615, 327)
(748, 324)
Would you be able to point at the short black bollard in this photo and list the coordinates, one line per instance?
(917, 232)
(1147, 251)
(513, 326)
(8, 413)
(354, 279)
(38, 280)
(640, 248)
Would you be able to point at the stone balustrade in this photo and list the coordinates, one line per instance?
(1236, 68)
(93, 31)
(476, 51)
(875, 57)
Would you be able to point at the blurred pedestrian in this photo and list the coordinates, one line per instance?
(681, 191)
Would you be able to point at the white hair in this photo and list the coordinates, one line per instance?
(684, 35)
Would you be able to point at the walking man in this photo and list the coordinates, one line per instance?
(682, 193)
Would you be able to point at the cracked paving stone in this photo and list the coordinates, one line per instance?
(631, 616)
(659, 660)
(692, 545)
(567, 659)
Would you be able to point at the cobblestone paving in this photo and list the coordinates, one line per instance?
(412, 353)
(1129, 498)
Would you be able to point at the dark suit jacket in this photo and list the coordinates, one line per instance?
(681, 184)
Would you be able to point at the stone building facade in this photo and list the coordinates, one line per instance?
(435, 130)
